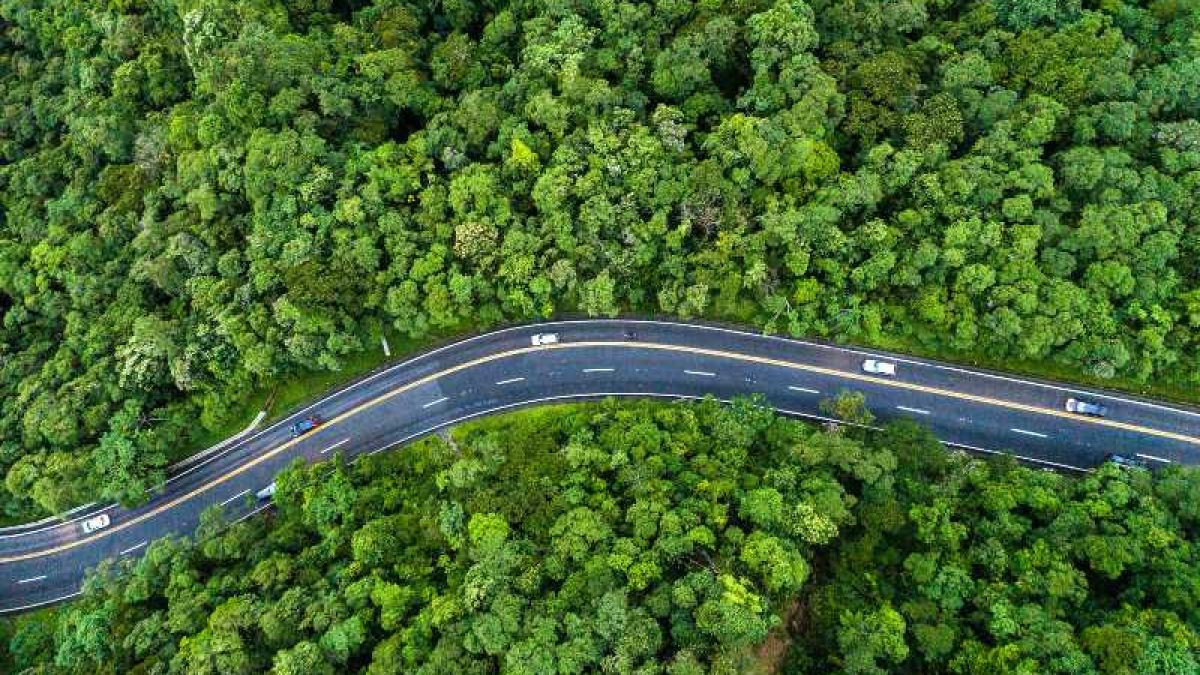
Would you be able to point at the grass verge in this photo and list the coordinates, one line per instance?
(291, 392)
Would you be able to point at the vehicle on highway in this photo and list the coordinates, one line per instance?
(544, 339)
(1125, 461)
(267, 492)
(95, 523)
(304, 426)
(877, 367)
(630, 335)
(1077, 406)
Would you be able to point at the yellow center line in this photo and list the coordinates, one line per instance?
(576, 345)
(265, 456)
(899, 384)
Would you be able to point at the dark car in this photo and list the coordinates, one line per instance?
(1082, 407)
(630, 335)
(304, 426)
(1124, 461)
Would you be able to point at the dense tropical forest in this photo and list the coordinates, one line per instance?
(659, 538)
(199, 197)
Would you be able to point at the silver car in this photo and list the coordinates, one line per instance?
(1080, 407)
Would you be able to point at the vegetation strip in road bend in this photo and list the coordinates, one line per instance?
(585, 344)
(750, 521)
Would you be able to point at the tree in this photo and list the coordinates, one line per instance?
(865, 638)
(304, 658)
(598, 295)
(849, 407)
(732, 615)
(128, 462)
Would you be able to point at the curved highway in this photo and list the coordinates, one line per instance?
(502, 370)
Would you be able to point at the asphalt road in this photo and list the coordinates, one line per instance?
(500, 371)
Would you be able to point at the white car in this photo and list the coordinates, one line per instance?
(544, 339)
(876, 367)
(95, 523)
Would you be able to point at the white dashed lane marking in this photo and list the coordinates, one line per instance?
(335, 445)
(1028, 433)
(917, 411)
(433, 403)
(133, 548)
(243, 493)
(806, 390)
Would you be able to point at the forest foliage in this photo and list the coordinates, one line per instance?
(659, 538)
(199, 197)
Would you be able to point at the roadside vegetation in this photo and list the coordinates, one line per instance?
(639, 537)
(200, 199)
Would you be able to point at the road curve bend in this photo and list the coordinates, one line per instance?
(502, 370)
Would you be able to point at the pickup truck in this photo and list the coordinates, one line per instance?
(1125, 461)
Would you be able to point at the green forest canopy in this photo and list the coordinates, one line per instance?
(199, 197)
(660, 538)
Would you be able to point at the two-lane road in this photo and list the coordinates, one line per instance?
(503, 370)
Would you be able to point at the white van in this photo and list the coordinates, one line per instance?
(544, 339)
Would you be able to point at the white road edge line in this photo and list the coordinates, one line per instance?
(779, 338)
(1028, 433)
(598, 370)
(47, 519)
(85, 516)
(264, 506)
(640, 394)
(526, 327)
(133, 548)
(43, 603)
(31, 579)
(701, 373)
(240, 494)
(806, 390)
(501, 383)
(433, 403)
(917, 411)
(1020, 457)
(1164, 460)
(335, 445)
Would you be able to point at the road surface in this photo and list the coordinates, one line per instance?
(503, 370)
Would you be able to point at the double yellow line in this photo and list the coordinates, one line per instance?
(700, 351)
